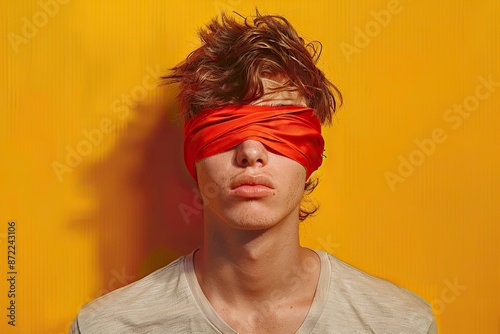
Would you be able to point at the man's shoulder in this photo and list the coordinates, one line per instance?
(377, 300)
(158, 282)
(363, 284)
(160, 292)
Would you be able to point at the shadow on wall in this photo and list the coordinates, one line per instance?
(141, 187)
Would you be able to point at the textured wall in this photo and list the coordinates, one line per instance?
(92, 170)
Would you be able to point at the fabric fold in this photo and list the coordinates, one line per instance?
(291, 131)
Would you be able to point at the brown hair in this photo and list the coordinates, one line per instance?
(234, 56)
(227, 68)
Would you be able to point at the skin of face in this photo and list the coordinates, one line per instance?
(249, 187)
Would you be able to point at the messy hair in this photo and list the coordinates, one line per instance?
(227, 68)
(234, 56)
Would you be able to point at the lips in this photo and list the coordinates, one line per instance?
(252, 186)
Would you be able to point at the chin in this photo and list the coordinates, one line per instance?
(255, 219)
(254, 225)
(251, 221)
(250, 215)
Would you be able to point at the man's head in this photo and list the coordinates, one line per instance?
(237, 54)
(260, 62)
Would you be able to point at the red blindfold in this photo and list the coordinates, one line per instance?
(290, 131)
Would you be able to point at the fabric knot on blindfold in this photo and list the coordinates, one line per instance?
(290, 131)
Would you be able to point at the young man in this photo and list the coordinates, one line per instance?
(253, 102)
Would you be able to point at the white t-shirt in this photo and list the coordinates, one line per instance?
(170, 300)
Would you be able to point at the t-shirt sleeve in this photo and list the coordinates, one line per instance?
(74, 327)
(433, 328)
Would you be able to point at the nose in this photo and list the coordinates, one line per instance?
(251, 153)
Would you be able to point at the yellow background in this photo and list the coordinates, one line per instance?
(85, 69)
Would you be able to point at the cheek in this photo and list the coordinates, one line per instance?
(211, 168)
(293, 180)
(298, 183)
(212, 175)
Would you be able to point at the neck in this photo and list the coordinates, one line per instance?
(237, 264)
